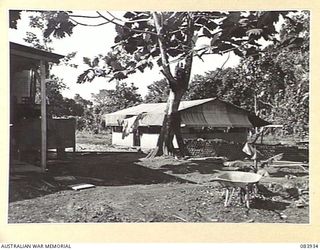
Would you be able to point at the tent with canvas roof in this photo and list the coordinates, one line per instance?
(209, 118)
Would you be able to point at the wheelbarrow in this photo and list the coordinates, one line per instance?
(243, 180)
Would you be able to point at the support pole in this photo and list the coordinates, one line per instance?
(256, 109)
(43, 116)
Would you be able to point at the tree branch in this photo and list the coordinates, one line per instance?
(84, 16)
(113, 16)
(176, 31)
(164, 58)
(266, 103)
(219, 69)
(84, 24)
(191, 45)
(126, 27)
(225, 51)
(128, 21)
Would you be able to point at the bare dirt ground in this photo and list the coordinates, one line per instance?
(130, 188)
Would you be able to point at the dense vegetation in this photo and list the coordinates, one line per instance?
(278, 78)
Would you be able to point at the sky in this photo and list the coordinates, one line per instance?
(91, 41)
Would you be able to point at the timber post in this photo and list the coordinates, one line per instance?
(43, 116)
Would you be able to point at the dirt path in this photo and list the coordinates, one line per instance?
(130, 189)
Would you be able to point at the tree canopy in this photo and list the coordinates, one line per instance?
(139, 34)
(278, 78)
(158, 91)
(123, 96)
(172, 39)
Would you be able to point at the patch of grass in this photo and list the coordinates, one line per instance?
(86, 137)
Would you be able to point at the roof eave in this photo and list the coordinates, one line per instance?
(37, 54)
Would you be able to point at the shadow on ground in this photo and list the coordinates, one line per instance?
(186, 168)
(268, 205)
(99, 169)
(117, 169)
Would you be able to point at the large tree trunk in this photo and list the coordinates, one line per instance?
(171, 127)
(178, 86)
